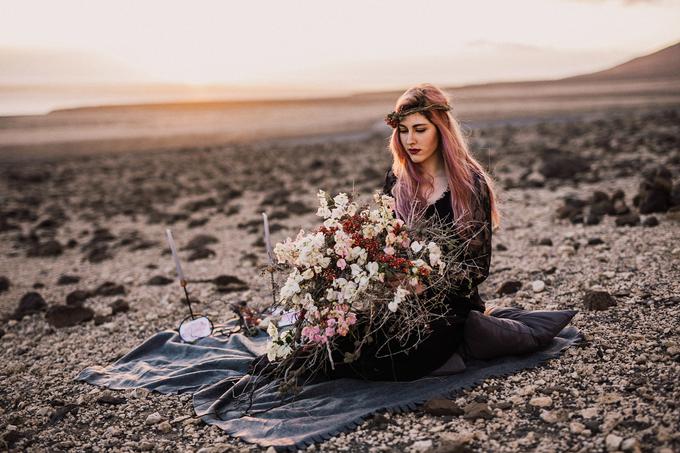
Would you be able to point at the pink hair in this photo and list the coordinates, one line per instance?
(461, 167)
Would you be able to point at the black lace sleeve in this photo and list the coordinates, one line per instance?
(477, 258)
(390, 180)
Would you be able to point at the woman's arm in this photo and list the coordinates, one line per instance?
(390, 180)
(477, 257)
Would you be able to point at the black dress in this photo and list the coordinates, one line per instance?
(447, 333)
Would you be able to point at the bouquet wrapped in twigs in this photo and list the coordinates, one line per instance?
(363, 271)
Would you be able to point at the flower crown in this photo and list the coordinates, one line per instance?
(394, 118)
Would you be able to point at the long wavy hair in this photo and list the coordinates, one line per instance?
(461, 167)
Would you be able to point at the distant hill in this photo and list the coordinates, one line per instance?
(664, 63)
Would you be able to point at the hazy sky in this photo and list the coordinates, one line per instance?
(348, 43)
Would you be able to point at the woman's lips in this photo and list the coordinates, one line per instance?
(413, 150)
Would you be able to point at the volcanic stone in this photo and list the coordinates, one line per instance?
(509, 287)
(201, 254)
(4, 284)
(29, 304)
(598, 300)
(631, 219)
(66, 316)
(77, 297)
(110, 289)
(650, 221)
(45, 249)
(119, 306)
(159, 280)
(442, 407)
(655, 189)
(68, 279)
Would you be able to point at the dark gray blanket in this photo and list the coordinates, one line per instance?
(214, 370)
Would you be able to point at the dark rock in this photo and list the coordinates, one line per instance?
(102, 319)
(110, 289)
(200, 241)
(197, 205)
(650, 221)
(562, 165)
(598, 300)
(98, 253)
(159, 280)
(298, 208)
(595, 241)
(4, 284)
(77, 297)
(201, 254)
(119, 306)
(10, 438)
(655, 189)
(109, 399)
(45, 249)
(61, 412)
(509, 287)
(502, 405)
(618, 195)
(572, 209)
(29, 304)
(2, 333)
(67, 316)
(546, 241)
(439, 407)
(68, 279)
(501, 247)
(71, 243)
(631, 219)
(193, 223)
(477, 410)
(592, 425)
(378, 421)
(38, 285)
(601, 204)
(620, 208)
(675, 194)
(592, 219)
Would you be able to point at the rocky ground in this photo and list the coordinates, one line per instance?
(591, 221)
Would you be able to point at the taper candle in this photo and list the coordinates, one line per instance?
(267, 240)
(175, 257)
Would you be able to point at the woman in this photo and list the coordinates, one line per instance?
(433, 173)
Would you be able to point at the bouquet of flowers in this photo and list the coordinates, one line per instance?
(361, 271)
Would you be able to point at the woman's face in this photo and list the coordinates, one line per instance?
(419, 136)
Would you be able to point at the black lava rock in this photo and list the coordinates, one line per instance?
(595, 241)
(110, 289)
(598, 300)
(119, 306)
(66, 316)
(45, 249)
(509, 287)
(77, 297)
(159, 280)
(650, 221)
(200, 242)
(4, 284)
(655, 189)
(631, 219)
(68, 279)
(29, 304)
(229, 283)
(201, 254)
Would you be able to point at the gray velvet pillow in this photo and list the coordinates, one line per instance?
(511, 331)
